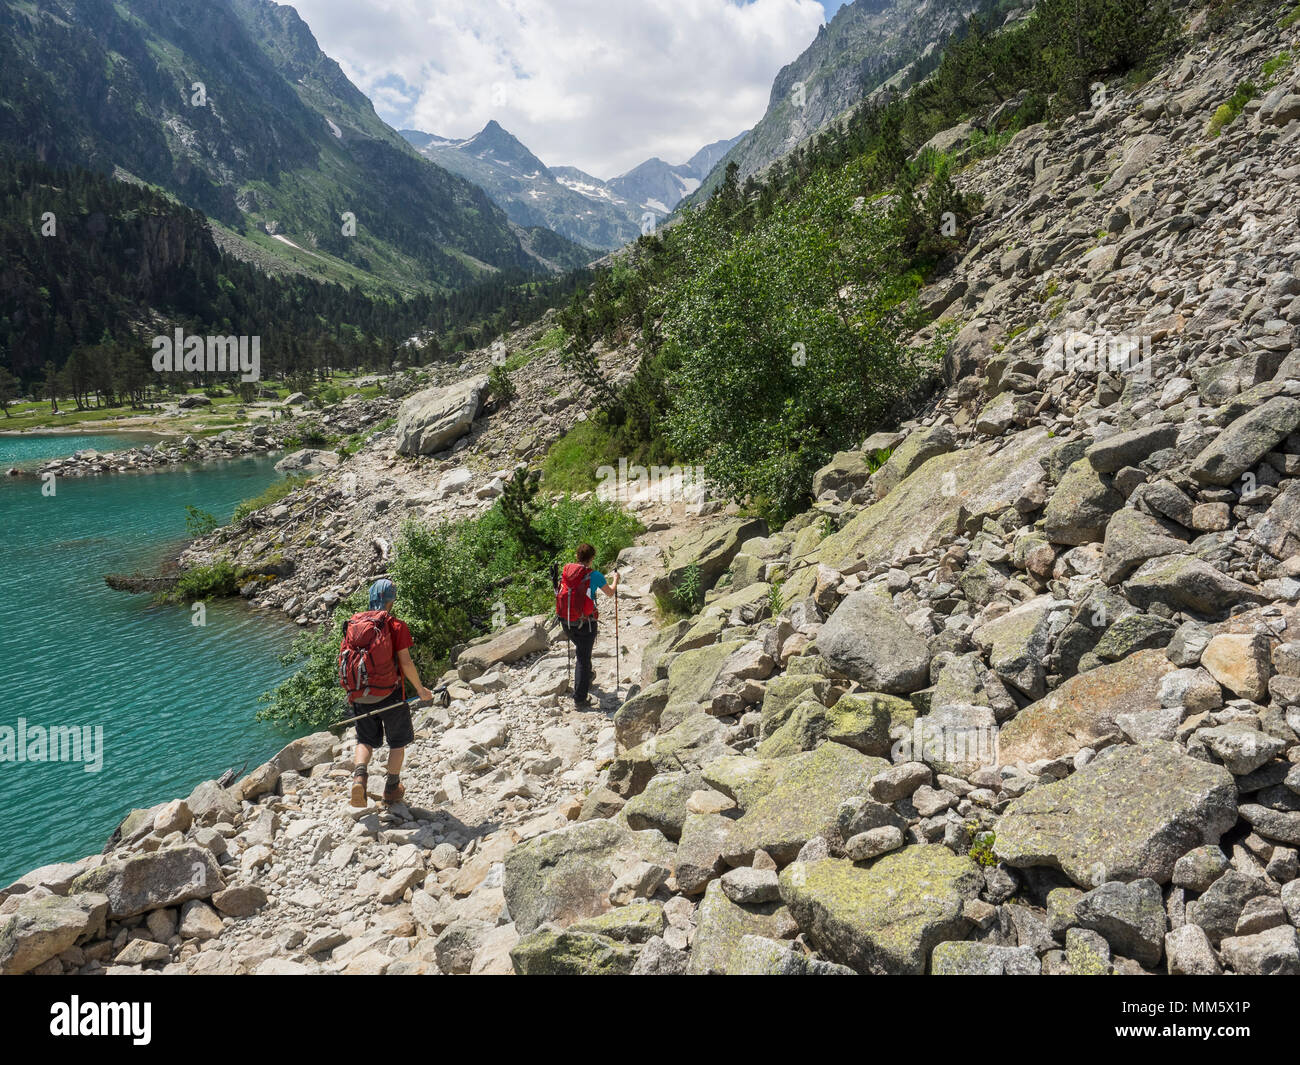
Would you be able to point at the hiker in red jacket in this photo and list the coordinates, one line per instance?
(575, 604)
(376, 646)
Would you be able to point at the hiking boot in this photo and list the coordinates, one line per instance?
(359, 798)
(393, 790)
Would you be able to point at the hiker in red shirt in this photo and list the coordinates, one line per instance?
(575, 596)
(376, 645)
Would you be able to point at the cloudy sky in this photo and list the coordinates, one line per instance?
(597, 84)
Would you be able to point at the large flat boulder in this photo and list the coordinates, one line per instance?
(563, 876)
(1082, 712)
(886, 917)
(911, 455)
(942, 494)
(1185, 582)
(143, 882)
(867, 639)
(1131, 812)
(501, 648)
(1247, 440)
(437, 417)
(802, 800)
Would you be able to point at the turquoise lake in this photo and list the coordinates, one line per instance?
(176, 702)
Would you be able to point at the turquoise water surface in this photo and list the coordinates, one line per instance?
(173, 702)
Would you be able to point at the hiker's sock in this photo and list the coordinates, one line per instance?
(361, 771)
(392, 780)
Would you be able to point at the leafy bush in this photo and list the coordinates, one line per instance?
(500, 385)
(788, 342)
(198, 522)
(1227, 112)
(221, 578)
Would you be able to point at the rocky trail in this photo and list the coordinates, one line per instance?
(1023, 700)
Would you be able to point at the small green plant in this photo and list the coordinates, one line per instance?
(776, 598)
(878, 458)
(1290, 18)
(1273, 66)
(828, 526)
(981, 847)
(688, 595)
(198, 522)
(1228, 112)
(500, 385)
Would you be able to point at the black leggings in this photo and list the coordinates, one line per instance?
(583, 636)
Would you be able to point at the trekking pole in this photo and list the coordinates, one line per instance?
(616, 664)
(441, 696)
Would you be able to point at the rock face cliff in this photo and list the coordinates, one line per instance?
(865, 45)
(1025, 699)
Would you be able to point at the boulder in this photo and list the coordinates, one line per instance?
(1246, 440)
(1083, 711)
(42, 928)
(867, 639)
(551, 951)
(1184, 582)
(143, 882)
(307, 462)
(846, 469)
(1130, 448)
(720, 925)
(1241, 662)
(1081, 506)
(802, 802)
(1017, 642)
(708, 552)
(435, 418)
(758, 956)
(885, 918)
(1106, 822)
(1130, 917)
(919, 447)
(565, 875)
(501, 648)
(859, 720)
(956, 958)
(1133, 538)
(943, 494)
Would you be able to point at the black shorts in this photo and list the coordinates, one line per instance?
(395, 723)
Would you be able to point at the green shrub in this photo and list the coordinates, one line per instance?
(221, 578)
(198, 522)
(1227, 112)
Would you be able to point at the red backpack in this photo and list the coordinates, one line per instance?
(367, 664)
(573, 594)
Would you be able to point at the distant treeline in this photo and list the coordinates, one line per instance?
(93, 268)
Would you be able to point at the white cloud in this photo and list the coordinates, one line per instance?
(597, 84)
